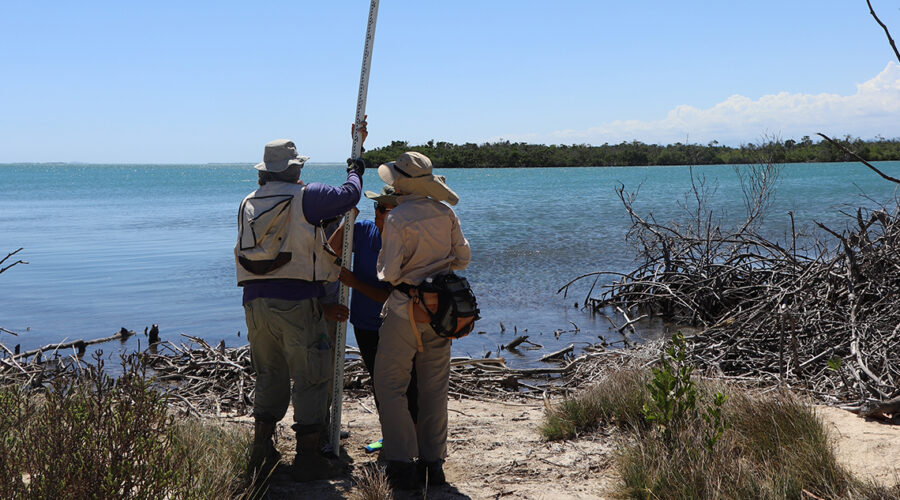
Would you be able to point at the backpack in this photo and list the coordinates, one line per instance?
(449, 304)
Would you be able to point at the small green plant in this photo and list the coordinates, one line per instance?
(673, 395)
(834, 364)
(714, 417)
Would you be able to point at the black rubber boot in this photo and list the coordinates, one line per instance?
(431, 474)
(263, 455)
(309, 464)
(402, 475)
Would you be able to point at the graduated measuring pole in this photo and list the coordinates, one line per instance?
(340, 340)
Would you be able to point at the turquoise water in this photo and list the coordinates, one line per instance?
(114, 246)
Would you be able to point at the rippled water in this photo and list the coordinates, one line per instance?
(132, 245)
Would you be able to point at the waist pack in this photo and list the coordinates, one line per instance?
(446, 303)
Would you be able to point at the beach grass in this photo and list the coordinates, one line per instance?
(772, 445)
(618, 401)
(776, 447)
(371, 484)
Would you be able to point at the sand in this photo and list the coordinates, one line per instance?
(870, 449)
(495, 452)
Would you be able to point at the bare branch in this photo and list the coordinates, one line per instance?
(886, 32)
(859, 158)
(13, 264)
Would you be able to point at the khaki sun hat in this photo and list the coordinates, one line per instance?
(411, 173)
(279, 155)
(387, 196)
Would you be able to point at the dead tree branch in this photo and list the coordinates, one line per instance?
(885, 28)
(859, 158)
(2, 269)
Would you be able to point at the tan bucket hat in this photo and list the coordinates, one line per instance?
(411, 173)
(279, 155)
(387, 196)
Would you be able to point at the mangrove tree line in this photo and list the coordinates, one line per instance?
(635, 153)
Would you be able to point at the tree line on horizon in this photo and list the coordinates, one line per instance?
(636, 153)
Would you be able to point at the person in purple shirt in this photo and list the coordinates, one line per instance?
(283, 260)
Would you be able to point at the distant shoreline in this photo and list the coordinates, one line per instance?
(506, 154)
(464, 167)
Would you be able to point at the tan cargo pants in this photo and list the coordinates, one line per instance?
(393, 364)
(290, 342)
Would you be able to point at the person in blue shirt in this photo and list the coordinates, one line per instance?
(369, 294)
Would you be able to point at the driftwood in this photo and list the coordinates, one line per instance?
(78, 345)
(205, 380)
(558, 354)
(515, 342)
(885, 410)
(4, 330)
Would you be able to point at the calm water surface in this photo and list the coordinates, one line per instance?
(113, 246)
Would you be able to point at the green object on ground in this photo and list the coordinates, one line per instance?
(374, 446)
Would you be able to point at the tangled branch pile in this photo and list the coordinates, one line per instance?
(822, 318)
(204, 380)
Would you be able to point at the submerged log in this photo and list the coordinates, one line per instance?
(79, 345)
(515, 342)
(558, 354)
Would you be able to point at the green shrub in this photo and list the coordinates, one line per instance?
(95, 436)
(673, 395)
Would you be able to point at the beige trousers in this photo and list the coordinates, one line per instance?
(393, 364)
(291, 349)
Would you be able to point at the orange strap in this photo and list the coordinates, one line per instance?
(412, 323)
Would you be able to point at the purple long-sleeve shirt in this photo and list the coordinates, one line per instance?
(320, 202)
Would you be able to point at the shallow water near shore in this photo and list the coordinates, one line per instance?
(112, 246)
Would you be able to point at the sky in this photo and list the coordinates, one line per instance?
(212, 82)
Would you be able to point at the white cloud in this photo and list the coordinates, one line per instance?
(873, 110)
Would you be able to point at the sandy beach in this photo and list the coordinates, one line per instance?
(495, 451)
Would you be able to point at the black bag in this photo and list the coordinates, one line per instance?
(450, 305)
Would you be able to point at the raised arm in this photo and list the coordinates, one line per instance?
(322, 202)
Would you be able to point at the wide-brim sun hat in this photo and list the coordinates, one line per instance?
(387, 196)
(279, 155)
(412, 173)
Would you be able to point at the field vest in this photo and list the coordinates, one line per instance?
(275, 241)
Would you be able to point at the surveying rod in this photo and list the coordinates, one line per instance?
(340, 340)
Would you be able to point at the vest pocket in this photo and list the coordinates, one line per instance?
(263, 227)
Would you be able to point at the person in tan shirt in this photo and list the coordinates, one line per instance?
(421, 238)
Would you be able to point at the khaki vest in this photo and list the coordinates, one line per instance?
(276, 242)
